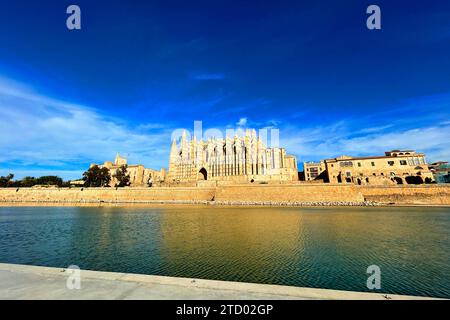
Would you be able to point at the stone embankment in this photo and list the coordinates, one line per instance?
(195, 202)
(295, 204)
(238, 195)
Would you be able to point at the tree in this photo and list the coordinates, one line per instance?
(50, 180)
(122, 177)
(28, 182)
(97, 177)
(6, 182)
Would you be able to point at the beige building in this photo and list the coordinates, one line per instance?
(139, 175)
(395, 167)
(238, 159)
(314, 170)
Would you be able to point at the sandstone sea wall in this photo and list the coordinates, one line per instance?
(408, 194)
(104, 194)
(312, 194)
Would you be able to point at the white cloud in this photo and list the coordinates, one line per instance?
(375, 129)
(242, 122)
(40, 132)
(41, 135)
(336, 140)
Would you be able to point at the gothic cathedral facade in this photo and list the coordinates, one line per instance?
(237, 160)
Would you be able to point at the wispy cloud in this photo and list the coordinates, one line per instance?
(338, 139)
(39, 133)
(150, 126)
(419, 123)
(43, 135)
(375, 129)
(242, 122)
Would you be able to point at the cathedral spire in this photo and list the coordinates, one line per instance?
(173, 156)
(119, 161)
(173, 150)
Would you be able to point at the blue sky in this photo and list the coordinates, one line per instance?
(138, 70)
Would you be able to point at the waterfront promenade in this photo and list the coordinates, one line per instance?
(43, 283)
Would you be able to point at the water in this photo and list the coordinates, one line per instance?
(308, 247)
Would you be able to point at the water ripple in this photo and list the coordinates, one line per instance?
(312, 247)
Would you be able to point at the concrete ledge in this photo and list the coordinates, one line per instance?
(21, 282)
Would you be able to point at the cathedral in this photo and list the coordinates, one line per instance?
(237, 160)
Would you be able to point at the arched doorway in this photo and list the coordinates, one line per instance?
(414, 180)
(203, 174)
(398, 180)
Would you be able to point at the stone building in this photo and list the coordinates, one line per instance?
(441, 171)
(395, 167)
(238, 159)
(139, 175)
(314, 171)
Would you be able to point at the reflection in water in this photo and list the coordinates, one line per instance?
(313, 247)
(236, 244)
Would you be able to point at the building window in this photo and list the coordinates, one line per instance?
(359, 164)
(391, 163)
(346, 164)
(373, 164)
(349, 174)
(314, 172)
(403, 162)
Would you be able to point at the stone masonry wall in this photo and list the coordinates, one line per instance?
(401, 194)
(411, 194)
(289, 193)
(106, 194)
